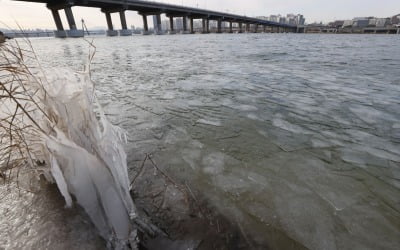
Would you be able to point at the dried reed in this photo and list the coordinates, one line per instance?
(19, 106)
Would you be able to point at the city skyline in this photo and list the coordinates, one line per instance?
(33, 15)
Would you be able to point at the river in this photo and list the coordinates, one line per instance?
(292, 136)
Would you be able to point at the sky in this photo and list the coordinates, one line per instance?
(34, 15)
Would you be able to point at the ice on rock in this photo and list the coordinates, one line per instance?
(82, 151)
(87, 150)
(91, 182)
(60, 180)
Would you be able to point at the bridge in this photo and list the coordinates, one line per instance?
(155, 9)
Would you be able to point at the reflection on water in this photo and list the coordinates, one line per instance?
(292, 136)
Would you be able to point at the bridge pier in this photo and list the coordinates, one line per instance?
(60, 32)
(247, 27)
(157, 24)
(184, 24)
(171, 25)
(219, 26)
(255, 28)
(204, 23)
(145, 25)
(191, 25)
(264, 28)
(124, 31)
(240, 28)
(208, 25)
(230, 27)
(110, 30)
(73, 31)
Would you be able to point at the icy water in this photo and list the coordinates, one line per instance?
(295, 138)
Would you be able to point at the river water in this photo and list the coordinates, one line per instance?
(296, 138)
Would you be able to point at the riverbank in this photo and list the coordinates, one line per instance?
(2, 37)
(338, 30)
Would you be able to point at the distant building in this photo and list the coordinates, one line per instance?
(212, 24)
(274, 18)
(336, 24)
(197, 24)
(372, 22)
(382, 22)
(348, 23)
(361, 22)
(263, 18)
(395, 19)
(165, 25)
(291, 19)
(359, 25)
(300, 20)
(178, 23)
(157, 28)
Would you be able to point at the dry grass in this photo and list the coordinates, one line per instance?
(19, 104)
(22, 95)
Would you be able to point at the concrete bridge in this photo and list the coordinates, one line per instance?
(148, 8)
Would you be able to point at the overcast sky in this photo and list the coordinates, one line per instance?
(33, 15)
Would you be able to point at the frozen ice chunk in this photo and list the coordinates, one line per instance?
(283, 124)
(214, 163)
(216, 123)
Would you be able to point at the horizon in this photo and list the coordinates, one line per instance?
(37, 16)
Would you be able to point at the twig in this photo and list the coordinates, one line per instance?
(139, 172)
(183, 191)
(162, 172)
(195, 200)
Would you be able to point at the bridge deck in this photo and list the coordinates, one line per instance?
(151, 8)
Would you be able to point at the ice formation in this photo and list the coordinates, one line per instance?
(55, 116)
